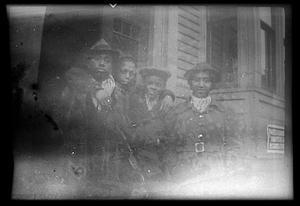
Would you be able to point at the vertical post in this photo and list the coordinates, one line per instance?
(202, 56)
(249, 61)
(247, 49)
(164, 41)
(160, 41)
(172, 37)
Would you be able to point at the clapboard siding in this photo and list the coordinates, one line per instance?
(187, 58)
(189, 42)
(188, 38)
(194, 25)
(187, 52)
(189, 35)
(185, 46)
(189, 12)
(189, 31)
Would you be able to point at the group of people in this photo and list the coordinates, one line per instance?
(134, 134)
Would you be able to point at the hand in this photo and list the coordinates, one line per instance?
(108, 85)
(106, 90)
(167, 103)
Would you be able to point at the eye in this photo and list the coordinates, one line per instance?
(107, 59)
(131, 73)
(206, 80)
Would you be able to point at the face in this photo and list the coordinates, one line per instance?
(201, 84)
(127, 72)
(102, 62)
(154, 85)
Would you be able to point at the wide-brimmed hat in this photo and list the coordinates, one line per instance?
(201, 67)
(100, 47)
(151, 71)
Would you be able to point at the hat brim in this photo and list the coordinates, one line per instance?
(113, 53)
(146, 72)
(203, 67)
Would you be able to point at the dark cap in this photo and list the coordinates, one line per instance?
(201, 67)
(100, 47)
(155, 72)
(126, 56)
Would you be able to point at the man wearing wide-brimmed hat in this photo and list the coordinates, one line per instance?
(201, 140)
(86, 90)
(97, 63)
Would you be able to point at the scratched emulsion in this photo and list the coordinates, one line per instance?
(48, 165)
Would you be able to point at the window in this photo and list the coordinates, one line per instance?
(125, 28)
(222, 43)
(268, 78)
(126, 36)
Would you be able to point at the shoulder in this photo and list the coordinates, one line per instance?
(180, 108)
(76, 74)
(217, 106)
(76, 71)
(138, 91)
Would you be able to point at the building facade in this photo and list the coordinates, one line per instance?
(245, 44)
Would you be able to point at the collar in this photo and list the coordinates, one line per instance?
(151, 103)
(214, 105)
(121, 87)
(200, 104)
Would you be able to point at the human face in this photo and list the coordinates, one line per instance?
(154, 85)
(101, 62)
(201, 84)
(127, 72)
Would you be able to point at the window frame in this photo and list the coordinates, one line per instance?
(131, 25)
(269, 83)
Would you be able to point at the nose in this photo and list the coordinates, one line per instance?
(101, 62)
(127, 75)
(152, 86)
(201, 83)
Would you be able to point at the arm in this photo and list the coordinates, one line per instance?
(79, 80)
(167, 100)
(167, 93)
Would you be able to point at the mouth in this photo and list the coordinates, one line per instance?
(152, 91)
(101, 69)
(200, 90)
(124, 81)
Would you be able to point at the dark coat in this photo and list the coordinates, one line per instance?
(67, 99)
(198, 141)
(145, 129)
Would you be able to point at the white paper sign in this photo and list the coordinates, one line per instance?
(275, 139)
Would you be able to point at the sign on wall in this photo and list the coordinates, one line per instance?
(275, 139)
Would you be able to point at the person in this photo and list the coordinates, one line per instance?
(125, 75)
(117, 119)
(146, 117)
(72, 99)
(200, 141)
